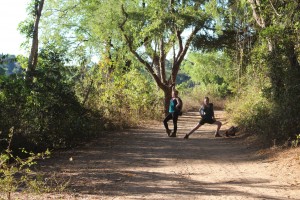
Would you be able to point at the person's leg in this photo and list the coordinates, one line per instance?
(175, 119)
(219, 124)
(192, 131)
(168, 117)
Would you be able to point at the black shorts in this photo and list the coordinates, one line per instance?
(209, 121)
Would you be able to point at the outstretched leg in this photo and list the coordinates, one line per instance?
(192, 131)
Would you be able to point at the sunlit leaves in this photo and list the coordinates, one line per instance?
(204, 68)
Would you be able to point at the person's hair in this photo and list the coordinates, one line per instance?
(206, 98)
(176, 92)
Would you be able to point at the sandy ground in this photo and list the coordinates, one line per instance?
(146, 164)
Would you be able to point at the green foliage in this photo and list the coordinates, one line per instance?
(144, 31)
(212, 71)
(259, 63)
(124, 97)
(256, 114)
(248, 109)
(26, 27)
(267, 93)
(16, 173)
(296, 142)
(46, 113)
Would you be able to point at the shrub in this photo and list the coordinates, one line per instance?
(46, 114)
(16, 173)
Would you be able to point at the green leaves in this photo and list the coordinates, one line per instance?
(16, 173)
(26, 28)
(205, 67)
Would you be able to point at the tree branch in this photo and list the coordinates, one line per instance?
(182, 53)
(256, 13)
(140, 59)
(162, 60)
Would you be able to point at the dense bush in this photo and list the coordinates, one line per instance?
(125, 98)
(64, 104)
(264, 106)
(44, 114)
(256, 114)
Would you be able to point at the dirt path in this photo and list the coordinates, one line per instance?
(146, 164)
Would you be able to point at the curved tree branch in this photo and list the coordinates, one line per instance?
(132, 50)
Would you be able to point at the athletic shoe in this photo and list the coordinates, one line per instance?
(218, 135)
(186, 136)
(168, 131)
(173, 135)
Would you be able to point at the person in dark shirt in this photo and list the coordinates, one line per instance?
(207, 116)
(174, 111)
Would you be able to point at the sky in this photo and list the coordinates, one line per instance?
(12, 12)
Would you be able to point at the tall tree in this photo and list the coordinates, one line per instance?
(157, 31)
(33, 31)
(278, 24)
(153, 32)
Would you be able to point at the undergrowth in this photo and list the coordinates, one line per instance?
(17, 176)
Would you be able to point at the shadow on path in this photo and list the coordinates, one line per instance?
(143, 162)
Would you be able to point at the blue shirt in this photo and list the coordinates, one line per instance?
(172, 106)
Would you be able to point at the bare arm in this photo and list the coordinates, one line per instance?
(173, 87)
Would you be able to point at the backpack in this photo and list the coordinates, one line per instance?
(180, 109)
(232, 131)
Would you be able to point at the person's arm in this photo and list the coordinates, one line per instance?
(178, 105)
(212, 111)
(173, 87)
(201, 110)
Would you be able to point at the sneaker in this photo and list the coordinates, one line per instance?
(226, 133)
(186, 136)
(218, 135)
(173, 135)
(168, 131)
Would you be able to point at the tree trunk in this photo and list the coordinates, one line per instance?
(158, 73)
(260, 21)
(32, 61)
(292, 56)
(88, 92)
(167, 96)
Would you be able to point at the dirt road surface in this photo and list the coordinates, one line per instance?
(144, 163)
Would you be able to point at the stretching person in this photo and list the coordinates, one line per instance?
(174, 112)
(208, 116)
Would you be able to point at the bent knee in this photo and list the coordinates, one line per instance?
(218, 123)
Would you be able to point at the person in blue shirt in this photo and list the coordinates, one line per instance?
(174, 111)
(207, 116)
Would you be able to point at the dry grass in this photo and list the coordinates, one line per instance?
(191, 104)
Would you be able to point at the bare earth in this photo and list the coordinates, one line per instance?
(146, 164)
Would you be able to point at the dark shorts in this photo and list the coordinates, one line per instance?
(209, 121)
